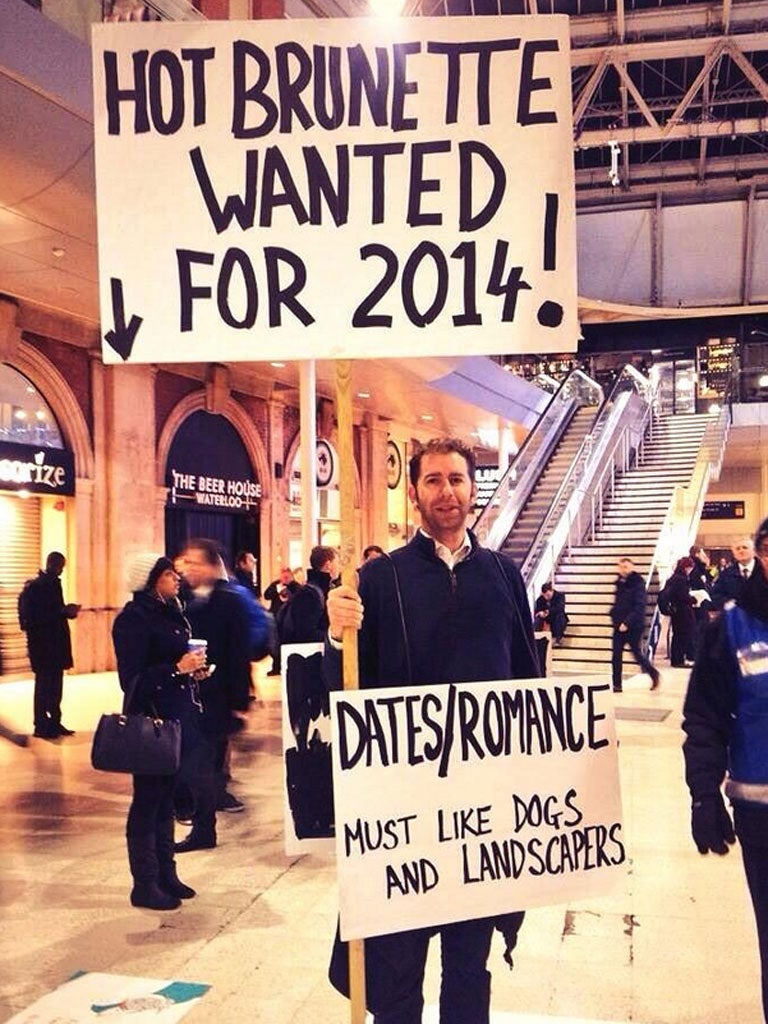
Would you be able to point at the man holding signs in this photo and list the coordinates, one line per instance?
(440, 609)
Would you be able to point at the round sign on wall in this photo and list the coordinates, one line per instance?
(394, 465)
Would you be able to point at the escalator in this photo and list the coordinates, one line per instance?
(524, 495)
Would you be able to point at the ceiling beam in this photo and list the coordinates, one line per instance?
(709, 61)
(589, 89)
(664, 49)
(748, 69)
(684, 130)
(642, 106)
(665, 21)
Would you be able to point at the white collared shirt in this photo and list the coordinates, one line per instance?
(451, 558)
(748, 569)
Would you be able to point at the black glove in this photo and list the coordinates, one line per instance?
(711, 825)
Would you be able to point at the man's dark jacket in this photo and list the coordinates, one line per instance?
(48, 640)
(304, 620)
(223, 620)
(629, 602)
(471, 624)
(728, 586)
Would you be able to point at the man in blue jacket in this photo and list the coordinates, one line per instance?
(439, 610)
(725, 718)
(628, 618)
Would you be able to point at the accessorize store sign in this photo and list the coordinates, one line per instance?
(472, 800)
(36, 470)
(334, 188)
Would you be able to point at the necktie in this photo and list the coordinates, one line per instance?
(745, 572)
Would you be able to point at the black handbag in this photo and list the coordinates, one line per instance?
(136, 744)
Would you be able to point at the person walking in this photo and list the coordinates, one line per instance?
(159, 673)
(441, 609)
(236, 630)
(45, 618)
(628, 619)
(725, 720)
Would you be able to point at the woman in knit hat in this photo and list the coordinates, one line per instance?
(150, 636)
(726, 722)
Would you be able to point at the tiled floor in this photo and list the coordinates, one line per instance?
(676, 943)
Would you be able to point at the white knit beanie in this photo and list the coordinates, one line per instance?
(140, 570)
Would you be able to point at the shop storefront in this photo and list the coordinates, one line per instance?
(213, 490)
(37, 487)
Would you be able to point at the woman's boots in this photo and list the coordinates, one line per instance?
(167, 878)
(156, 886)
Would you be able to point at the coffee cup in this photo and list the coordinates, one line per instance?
(195, 645)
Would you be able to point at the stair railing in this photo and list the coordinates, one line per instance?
(576, 513)
(495, 522)
(681, 523)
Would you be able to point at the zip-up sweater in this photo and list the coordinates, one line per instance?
(468, 624)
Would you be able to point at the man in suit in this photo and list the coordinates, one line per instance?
(730, 583)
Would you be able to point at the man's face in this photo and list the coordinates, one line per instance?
(743, 550)
(249, 562)
(333, 568)
(443, 494)
(285, 576)
(197, 571)
(624, 567)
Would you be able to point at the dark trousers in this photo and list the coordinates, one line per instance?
(620, 641)
(149, 829)
(394, 967)
(197, 775)
(542, 643)
(751, 823)
(682, 647)
(49, 685)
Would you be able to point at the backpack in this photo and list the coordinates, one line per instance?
(24, 606)
(663, 602)
(260, 635)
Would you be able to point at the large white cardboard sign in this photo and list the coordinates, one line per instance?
(334, 188)
(456, 802)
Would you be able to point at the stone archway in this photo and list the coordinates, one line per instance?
(237, 416)
(59, 396)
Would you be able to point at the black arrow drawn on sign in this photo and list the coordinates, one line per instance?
(123, 336)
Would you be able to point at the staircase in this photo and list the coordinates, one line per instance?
(632, 521)
(519, 541)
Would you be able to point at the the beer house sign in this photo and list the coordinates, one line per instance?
(208, 467)
(223, 493)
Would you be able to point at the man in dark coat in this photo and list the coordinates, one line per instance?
(628, 618)
(549, 612)
(730, 583)
(49, 644)
(441, 609)
(726, 726)
(303, 620)
(235, 628)
(278, 593)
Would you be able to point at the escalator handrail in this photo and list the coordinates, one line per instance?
(579, 465)
(527, 477)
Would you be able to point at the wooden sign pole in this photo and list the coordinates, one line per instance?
(349, 577)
